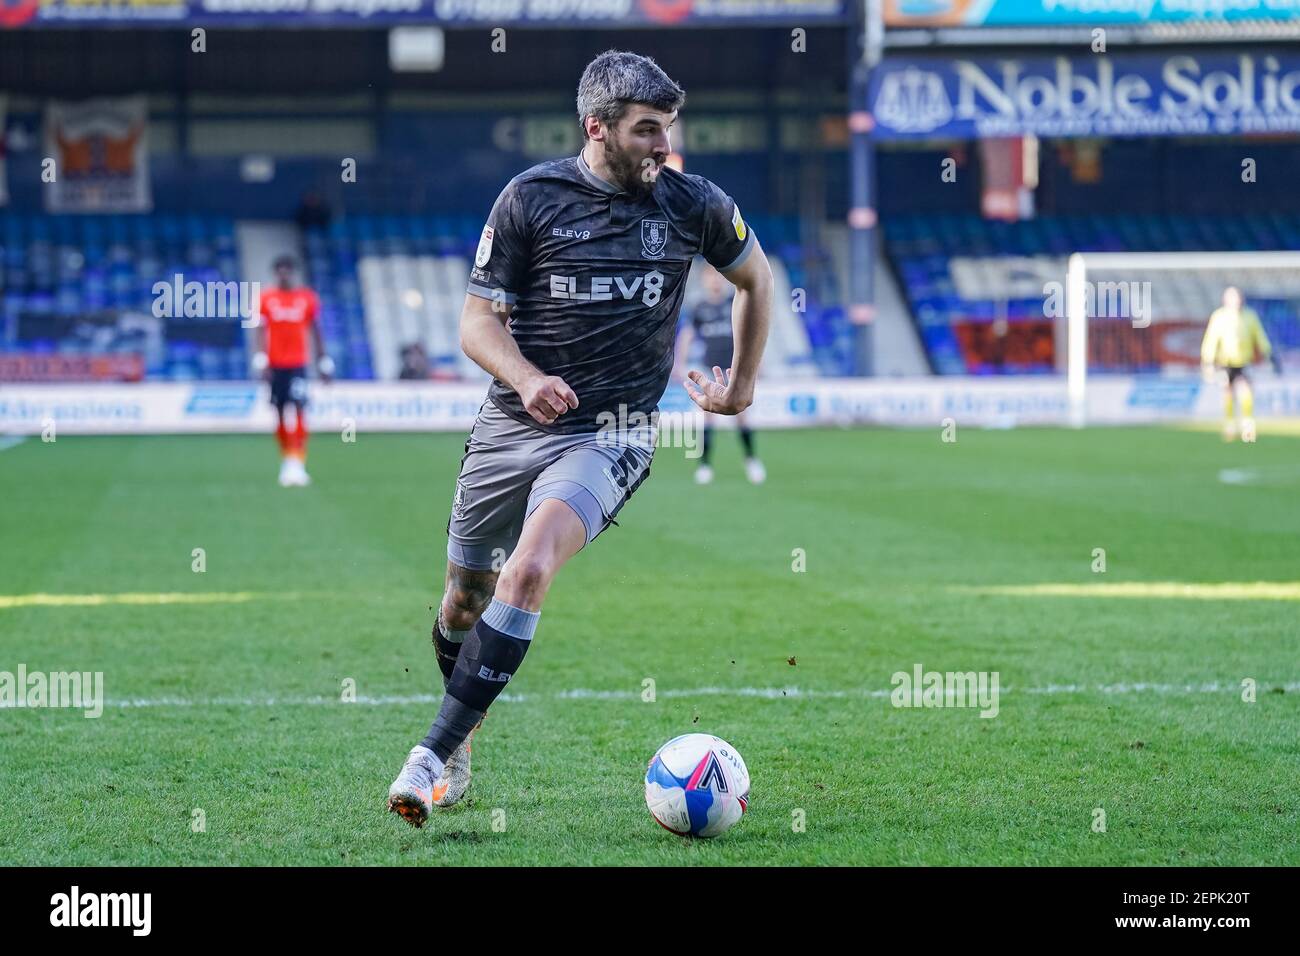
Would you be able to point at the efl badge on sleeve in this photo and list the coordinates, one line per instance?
(738, 224)
(484, 248)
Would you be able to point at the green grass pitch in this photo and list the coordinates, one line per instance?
(1127, 703)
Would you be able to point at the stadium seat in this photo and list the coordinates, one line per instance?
(959, 268)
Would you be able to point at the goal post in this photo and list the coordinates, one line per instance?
(1159, 288)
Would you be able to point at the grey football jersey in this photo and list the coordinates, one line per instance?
(595, 277)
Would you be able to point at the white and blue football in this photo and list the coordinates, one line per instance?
(697, 785)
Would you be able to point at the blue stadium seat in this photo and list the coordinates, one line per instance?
(922, 246)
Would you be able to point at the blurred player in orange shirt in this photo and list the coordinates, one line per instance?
(288, 315)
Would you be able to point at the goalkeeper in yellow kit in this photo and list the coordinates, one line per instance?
(1233, 340)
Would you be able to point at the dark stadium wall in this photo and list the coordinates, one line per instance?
(910, 182)
(1168, 176)
(443, 142)
(326, 61)
(447, 141)
(450, 160)
(1173, 176)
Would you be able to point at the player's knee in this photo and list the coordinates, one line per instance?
(464, 602)
(459, 612)
(529, 572)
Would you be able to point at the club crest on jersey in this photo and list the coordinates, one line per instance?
(654, 237)
(484, 248)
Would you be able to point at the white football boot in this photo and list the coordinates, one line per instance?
(703, 475)
(298, 476)
(411, 795)
(755, 471)
(286, 472)
(455, 775)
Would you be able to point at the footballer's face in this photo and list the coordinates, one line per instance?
(284, 274)
(637, 146)
(1232, 298)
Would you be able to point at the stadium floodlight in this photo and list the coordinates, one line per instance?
(1180, 286)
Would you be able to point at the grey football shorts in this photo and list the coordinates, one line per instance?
(510, 468)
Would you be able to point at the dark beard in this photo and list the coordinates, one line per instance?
(626, 173)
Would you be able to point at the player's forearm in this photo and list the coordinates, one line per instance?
(324, 364)
(259, 360)
(486, 340)
(751, 317)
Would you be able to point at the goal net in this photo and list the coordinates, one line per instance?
(1146, 312)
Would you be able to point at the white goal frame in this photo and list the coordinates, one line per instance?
(1076, 303)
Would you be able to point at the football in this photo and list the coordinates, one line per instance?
(697, 785)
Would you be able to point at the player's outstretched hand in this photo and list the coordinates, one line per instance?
(719, 396)
(547, 397)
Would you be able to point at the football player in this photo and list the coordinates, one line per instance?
(288, 317)
(1235, 339)
(710, 321)
(572, 307)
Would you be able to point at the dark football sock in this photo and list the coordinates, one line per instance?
(452, 725)
(447, 644)
(489, 658)
(747, 439)
(708, 444)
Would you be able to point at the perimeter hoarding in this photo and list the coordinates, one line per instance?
(242, 407)
(1054, 13)
(360, 13)
(1117, 94)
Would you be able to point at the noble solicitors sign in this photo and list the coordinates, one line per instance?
(1181, 94)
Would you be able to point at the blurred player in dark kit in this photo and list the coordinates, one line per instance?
(710, 321)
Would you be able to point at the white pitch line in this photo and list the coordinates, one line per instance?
(767, 693)
(1261, 475)
(1236, 476)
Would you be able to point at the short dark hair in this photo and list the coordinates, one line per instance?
(286, 260)
(616, 79)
